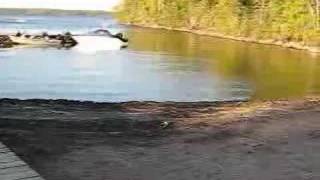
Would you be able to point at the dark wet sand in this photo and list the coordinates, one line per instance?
(69, 140)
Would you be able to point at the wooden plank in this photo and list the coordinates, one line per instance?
(19, 175)
(4, 150)
(2, 145)
(8, 159)
(32, 178)
(13, 168)
(12, 164)
(9, 153)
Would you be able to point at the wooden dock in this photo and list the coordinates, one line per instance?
(13, 168)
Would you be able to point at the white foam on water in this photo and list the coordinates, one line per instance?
(20, 20)
(94, 44)
(12, 20)
(38, 31)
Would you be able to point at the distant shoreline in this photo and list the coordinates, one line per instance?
(36, 11)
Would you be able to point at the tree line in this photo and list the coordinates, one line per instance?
(283, 20)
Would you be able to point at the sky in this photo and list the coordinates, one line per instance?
(106, 5)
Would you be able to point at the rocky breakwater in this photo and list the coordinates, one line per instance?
(6, 42)
(59, 40)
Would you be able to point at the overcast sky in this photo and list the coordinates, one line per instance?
(61, 4)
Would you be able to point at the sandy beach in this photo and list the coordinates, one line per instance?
(205, 140)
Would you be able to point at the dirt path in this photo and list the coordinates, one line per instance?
(126, 141)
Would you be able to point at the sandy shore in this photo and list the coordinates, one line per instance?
(127, 141)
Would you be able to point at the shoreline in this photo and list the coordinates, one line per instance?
(272, 42)
(77, 140)
(223, 112)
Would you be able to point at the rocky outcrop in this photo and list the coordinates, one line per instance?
(66, 40)
(120, 37)
(6, 42)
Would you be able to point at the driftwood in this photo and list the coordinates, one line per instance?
(108, 33)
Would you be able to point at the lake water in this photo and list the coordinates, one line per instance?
(158, 65)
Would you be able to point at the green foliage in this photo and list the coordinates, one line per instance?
(286, 20)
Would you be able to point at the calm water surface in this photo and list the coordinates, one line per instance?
(158, 65)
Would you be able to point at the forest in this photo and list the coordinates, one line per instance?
(281, 20)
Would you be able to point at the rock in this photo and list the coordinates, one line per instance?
(65, 40)
(19, 34)
(6, 42)
(120, 37)
(165, 124)
(68, 41)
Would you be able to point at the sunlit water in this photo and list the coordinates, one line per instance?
(76, 24)
(158, 65)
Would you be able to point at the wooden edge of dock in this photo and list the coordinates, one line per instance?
(14, 168)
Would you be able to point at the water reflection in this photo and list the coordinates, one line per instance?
(272, 72)
(112, 76)
(161, 65)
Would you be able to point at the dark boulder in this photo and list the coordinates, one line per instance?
(19, 34)
(6, 42)
(120, 37)
(68, 41)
